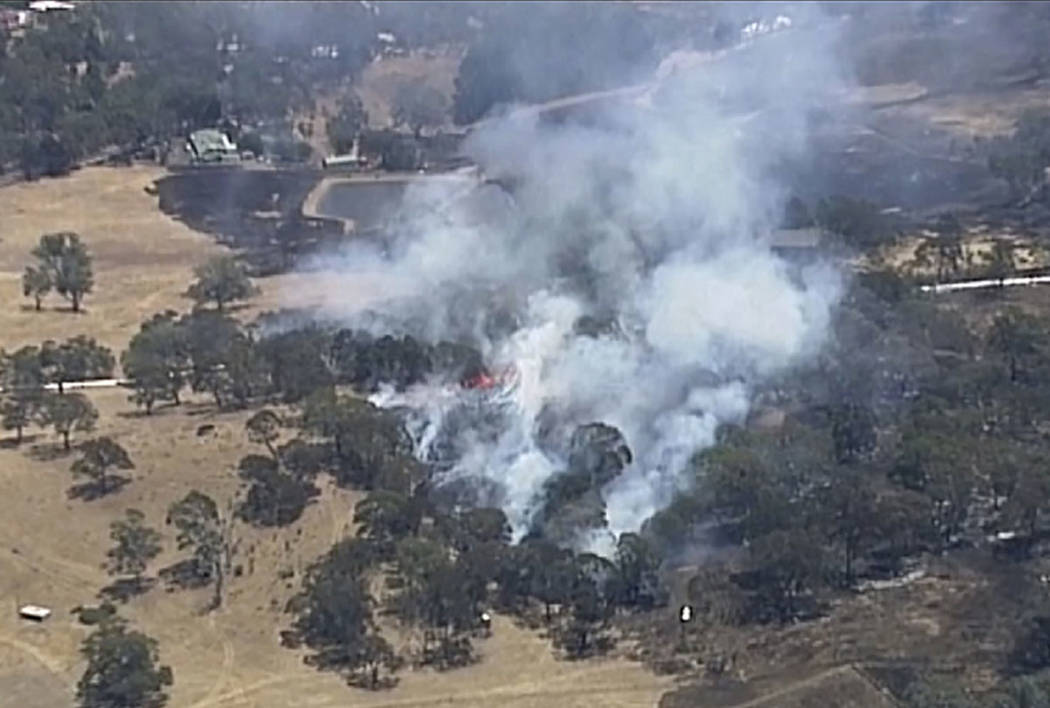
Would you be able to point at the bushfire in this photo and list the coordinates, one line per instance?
(486, 380)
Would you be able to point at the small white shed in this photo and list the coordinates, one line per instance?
(34, 612)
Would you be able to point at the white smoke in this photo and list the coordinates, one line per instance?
(656, 213)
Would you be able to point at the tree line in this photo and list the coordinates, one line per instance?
(917, 431)
(442, 567)
(837, 495)
(103, 75)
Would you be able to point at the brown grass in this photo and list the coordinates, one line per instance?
(52, 547)
(381, 79)
(143, 259)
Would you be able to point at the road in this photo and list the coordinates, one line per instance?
(641, 91)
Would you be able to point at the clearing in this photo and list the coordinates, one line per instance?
(143, 259)
(382, 78)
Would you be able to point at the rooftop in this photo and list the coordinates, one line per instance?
(211, 140)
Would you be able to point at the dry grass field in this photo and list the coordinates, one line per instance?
(52, 547)
(381, 79)
(143, 259)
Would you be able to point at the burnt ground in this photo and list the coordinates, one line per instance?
(845, 686)
(881, 168)
(254, 211)
(959, 620)
(892, 160)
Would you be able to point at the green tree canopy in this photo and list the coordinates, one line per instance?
(36, 283)
(221, 280)
(224, 361)
(156, 361)
(22, 378)
(134, 545)
(98, 457)
(202, 528)
(67, 263)
(122, 670)
(334, 616)
(68, 414)
(275, 497)
(75, 359)
(265, 428)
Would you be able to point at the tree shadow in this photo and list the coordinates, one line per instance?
(48, 452)
(453, 653)
(124, 589)
(361, 679)
(94, 615)
(12, 443)
(334, 660)
(600, 645)
(136, 414)
(183, 575)
(68, 309)
(229, 308)
(159, 411)
(195, 409)
(90, 491)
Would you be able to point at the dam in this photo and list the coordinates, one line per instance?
(368, 205)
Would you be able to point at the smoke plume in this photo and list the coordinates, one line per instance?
(652, 218)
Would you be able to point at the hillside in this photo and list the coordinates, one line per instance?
(709, 381)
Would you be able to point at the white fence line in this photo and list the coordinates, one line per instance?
(90, 383)
(987, 283)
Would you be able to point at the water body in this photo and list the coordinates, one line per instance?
(378, 207)
(369, 205)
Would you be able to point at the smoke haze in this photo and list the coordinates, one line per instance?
(651, 217)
